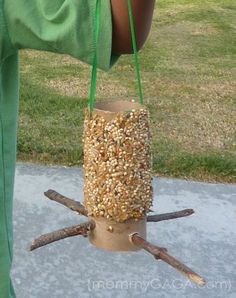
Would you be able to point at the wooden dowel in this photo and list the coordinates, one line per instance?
(160, 253)
(69, 203)
(81, 229)
(171, 215)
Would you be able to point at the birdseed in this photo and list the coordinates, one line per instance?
(117, 165)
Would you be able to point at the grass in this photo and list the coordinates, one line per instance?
(189, 79)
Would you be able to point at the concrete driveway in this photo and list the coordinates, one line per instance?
(73, 268)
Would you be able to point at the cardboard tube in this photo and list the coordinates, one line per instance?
(110, 234)
(113, 236)
(109, 109)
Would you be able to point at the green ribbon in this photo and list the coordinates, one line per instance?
(96, 37)
(94, 71)
(135, 51)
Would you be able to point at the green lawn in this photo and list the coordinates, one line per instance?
(189, 78)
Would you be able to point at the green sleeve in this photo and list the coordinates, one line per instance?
(61, 26)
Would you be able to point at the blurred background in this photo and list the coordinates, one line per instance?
(188, 68)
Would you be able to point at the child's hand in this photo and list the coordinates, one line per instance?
(142, 14)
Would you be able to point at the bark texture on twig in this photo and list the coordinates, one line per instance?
(81, 229)
(160, 253)
(69, 203)
(171, 215)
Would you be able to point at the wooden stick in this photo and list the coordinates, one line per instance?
(171, 215)
(72, 204)
(81, 229)
(78, 207)
(160, 253)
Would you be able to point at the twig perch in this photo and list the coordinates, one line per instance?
(78, 207)
(81, 229)
(171, 215)
(160, 253)
(69, 203)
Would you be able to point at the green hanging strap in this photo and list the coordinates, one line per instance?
(94, 71)
(131, 20)
(96, 37)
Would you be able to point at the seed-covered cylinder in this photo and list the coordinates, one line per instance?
(117, 161)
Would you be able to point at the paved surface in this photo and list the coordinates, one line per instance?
(72, 268)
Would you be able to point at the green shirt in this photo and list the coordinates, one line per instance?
(61, 26)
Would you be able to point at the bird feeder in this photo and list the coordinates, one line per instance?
(117, 190)
(117, 166)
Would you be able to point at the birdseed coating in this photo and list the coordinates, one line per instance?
(117, 165)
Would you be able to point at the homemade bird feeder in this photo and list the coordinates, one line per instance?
(118, 182)
(117, 165)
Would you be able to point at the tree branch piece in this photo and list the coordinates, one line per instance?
(69, 203)
(160, 253)
(81, 229)
(171, 215)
